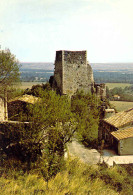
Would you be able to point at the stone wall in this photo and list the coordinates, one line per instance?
(101, 90)
(58, 73)
(108, 113)
(72, 72)
(1, 109)
(104, 132)
(125, 146)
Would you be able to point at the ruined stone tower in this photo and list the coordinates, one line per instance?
(2, 109)
(72, 72)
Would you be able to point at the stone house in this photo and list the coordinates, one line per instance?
(117, 132)
(124, 141)
(116, 97)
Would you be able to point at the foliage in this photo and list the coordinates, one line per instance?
(87, 110)
(74, 178)
(52, 123)
(113, 76)
(13, 92)
(9, 68)
(113, 85)
(54, 115)
(51, 126)
(126, 94)
(37, 90)
(20, 141)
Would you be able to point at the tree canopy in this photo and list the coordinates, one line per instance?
(9, 68)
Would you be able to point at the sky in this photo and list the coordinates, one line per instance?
(34, 29)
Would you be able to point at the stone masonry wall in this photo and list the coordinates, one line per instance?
(58, 71)
(1, 109)
(72, 72)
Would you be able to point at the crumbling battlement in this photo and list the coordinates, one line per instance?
(100, 90)
(72, 72)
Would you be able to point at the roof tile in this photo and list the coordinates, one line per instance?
(123, 134)
(121, 118)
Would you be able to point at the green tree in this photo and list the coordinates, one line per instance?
(53, 118)
(37, 90)
(9, 68)
(9, 73)
(51, 125)
(87, 110)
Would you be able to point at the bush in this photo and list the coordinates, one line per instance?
(87, 110)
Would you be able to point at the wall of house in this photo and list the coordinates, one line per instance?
(125, 146)
(108, 113)
(104, 132)
(1, 109)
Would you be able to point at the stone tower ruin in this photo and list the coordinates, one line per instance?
(72, 72)
(2, 109)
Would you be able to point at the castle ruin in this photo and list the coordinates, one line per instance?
(3, 109)
(73, 72)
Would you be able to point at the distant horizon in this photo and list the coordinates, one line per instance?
(89, 62)
(36, 29)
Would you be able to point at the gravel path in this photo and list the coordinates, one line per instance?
(92, 156)
(89, 156)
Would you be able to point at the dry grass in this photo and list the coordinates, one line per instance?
(25, 85)
(122, 105)
(77, 178)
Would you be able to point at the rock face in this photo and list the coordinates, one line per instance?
(72, 72)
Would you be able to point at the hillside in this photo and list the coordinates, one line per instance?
(103, 72)
(112, 66)
(95, 66)
(37, 65)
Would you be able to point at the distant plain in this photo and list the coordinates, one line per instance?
(113, 85)
(103, 72)
(25, 85)
(122, 105)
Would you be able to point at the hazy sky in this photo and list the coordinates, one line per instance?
(34, 29)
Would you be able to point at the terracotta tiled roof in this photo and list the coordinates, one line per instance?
(26, 98)
(121, 118)
(122, 134)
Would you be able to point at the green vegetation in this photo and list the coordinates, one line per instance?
(113, 76)
(51, 127)
(32, 153)
(126, 94)
(87, 110)
(38, 90)
(35, 75)
(52, 123)
(9, 68)
(74, 178)
(113, 85)
(9, 74)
